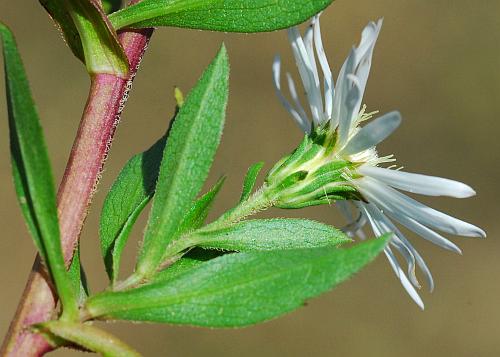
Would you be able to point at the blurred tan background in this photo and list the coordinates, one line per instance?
(436, 61)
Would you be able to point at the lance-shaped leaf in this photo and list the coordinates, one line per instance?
(187, 158)
(249, 182)
(272, 234)
(32, 171)
(199, 211)
(89, 337)
(130, 193)
(132, 190)
(238, 289)
(219, 15)
(59, 13)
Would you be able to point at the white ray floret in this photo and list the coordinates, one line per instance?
(340, 107)
(417, 183)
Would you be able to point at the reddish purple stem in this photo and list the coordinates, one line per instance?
(107, 97)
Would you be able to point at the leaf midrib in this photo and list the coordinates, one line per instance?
(177, 299)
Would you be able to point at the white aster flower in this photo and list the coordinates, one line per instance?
(338, 109)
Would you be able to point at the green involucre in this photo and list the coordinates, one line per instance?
(310, 175)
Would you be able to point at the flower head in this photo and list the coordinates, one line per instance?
(338, 160)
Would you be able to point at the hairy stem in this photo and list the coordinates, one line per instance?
(105, 103)
(106, 97)
(262, 199)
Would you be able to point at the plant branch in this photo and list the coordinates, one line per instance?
(87, 337)
(107, 98)
(261, 200)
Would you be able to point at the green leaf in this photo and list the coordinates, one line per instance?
(57, 10)
(219, 15)
(101, 47)
(193, 259)
(187, 158)
(250, 179)
(273, 234)
(78, 277)
(89, 34)
(132, 190)
(88, 337)
(32, 171)
(199, 211)
(130, 193)
(110, 6)
(238, 289)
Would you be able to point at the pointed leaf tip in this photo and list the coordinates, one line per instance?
(250, 179)
(239, 289)
(187, 158)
